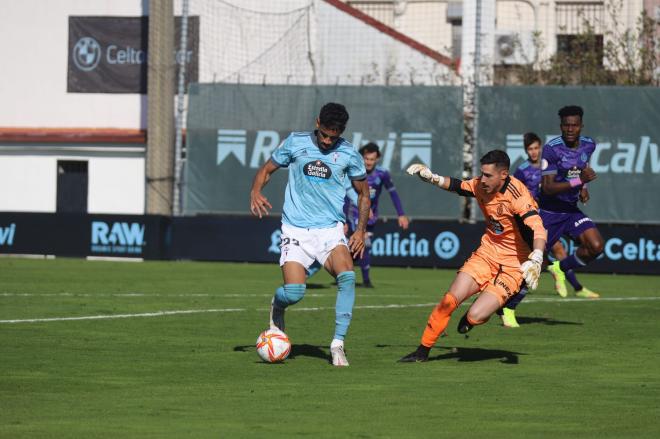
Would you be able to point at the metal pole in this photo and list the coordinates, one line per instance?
(475, 104)
(160, 106)
(182, 58)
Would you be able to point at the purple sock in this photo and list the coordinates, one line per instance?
(365, 265)
(572, 279)
(514, 301)
(570, 263)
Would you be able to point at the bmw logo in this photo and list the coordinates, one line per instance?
(86, 54)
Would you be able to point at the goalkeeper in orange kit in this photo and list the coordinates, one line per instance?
(511, 250)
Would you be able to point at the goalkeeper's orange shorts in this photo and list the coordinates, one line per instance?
(494, 278)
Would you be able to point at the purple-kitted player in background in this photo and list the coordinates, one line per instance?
(565, 170)
(529, 172)
(377, 178)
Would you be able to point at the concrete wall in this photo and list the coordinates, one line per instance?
(29, 182)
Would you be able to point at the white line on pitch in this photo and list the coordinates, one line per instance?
(181, 295)
(126, 316)
(389, 306)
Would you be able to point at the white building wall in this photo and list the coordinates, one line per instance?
(34, 78)
(29, 182)
(427, 22)
(116, 185)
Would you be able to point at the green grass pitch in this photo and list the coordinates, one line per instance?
(575, 368)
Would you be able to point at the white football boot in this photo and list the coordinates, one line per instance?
(338, 354)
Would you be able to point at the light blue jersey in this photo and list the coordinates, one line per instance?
(314, 196)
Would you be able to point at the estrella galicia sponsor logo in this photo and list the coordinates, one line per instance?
(7, 235)
(317, 171)
(446, 245)
(572, 173)
(121, 238)
(86, 54)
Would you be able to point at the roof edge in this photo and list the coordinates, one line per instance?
(72, 135)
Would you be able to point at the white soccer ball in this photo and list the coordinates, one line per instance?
(273, 345)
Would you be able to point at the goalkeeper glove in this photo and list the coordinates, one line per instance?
(531, 269)
(426, 174)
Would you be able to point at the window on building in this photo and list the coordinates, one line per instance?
(455, 18)
(580, 27)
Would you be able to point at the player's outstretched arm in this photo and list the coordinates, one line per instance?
(259, 204)
(356, 241)
(423, 172)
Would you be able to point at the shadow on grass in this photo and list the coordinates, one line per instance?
(302, 350)
(543, 321)
(473, 354)
(478, 354)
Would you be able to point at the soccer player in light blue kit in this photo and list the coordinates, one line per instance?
(319, 163)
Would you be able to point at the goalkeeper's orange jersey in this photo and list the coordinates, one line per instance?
(511, 216)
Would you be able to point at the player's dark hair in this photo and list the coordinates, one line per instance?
(333, 116)
(496, 157)
(570, 110)
(529, 138)
(369, 148)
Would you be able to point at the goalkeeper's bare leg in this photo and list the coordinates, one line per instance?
(480, 311)
(463, 287)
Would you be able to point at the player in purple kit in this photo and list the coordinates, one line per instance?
(529, 172)
(377, 178)
(565, 170)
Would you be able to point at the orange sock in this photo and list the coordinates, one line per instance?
(438, 320)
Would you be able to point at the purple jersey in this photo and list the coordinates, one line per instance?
(564, 163)
(377, 179)
(531, 176)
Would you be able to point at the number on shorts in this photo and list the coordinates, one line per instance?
(287, 240)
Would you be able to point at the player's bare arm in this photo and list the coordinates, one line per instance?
(259, 204)
(424, 173)
(551, 187)
(356, 242)
(584, 195)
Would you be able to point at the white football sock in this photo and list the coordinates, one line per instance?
(336, 343)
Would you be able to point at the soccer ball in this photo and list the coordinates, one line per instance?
(273, 345)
